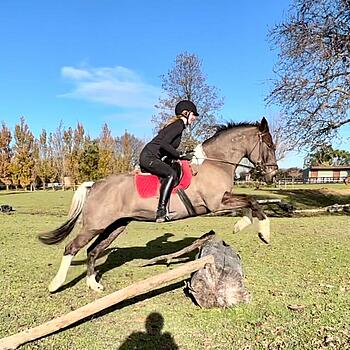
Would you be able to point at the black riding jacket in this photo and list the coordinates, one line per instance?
(166, 141)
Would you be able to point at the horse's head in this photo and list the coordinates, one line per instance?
(262, 152)
(235, 141)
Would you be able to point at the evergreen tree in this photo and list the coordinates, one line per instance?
(89, 161)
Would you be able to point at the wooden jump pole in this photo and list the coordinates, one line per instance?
(141, 287)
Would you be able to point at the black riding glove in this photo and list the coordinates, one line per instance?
(187, 156)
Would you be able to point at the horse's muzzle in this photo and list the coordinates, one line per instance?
(270, 174)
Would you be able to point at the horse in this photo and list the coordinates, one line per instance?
(110, 204)
(347, 180)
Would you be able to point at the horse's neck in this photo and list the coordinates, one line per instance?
(229, 154)
(225, 165)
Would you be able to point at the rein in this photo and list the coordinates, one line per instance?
(225, 161)
(258, 165)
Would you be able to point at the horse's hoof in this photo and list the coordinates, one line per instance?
(241, 224)
(91, 283)
(55, 285)
(264, 238)
(236, 228)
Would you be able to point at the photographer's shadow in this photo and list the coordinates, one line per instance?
(153, 338)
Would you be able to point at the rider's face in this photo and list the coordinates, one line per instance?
(191, 118)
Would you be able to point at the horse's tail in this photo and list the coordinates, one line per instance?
(59, 234)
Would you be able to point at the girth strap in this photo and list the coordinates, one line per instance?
(186, 201)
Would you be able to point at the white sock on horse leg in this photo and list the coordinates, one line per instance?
(263, 228)
(93, 284)
(61, 274)
(241, 224)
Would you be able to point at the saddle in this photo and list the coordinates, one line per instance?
(147, 185)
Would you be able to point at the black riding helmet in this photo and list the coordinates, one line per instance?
(186, 105)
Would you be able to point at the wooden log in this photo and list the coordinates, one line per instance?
(334, 208)
(141, 287)
(269, 201)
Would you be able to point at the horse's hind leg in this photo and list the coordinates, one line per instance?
(253, 214)
(100, 244)
(70, 251)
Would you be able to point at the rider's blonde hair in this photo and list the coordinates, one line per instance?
(173, 119)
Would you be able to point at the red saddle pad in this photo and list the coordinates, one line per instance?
(147, 185)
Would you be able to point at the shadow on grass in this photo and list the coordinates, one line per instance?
(313, 198)
(12, 193)
(119, 256)
(301, 199)
(153, 338)
(123, 304)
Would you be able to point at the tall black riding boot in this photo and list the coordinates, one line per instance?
(164, 195)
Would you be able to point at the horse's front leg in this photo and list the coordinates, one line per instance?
(245, 221)
(252, 214)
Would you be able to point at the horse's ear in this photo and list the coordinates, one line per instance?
(264, 126)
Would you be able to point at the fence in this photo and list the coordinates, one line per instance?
(324, 180)
(295, 181)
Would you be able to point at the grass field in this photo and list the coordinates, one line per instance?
(307, 264)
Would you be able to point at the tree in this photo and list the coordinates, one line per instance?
(89, 160)
(313, 70)
(128, 151)
(342, 157)
(43, 161)
(57, 154)
(5, 155)
(68, 154)
(282, 142)
(73, 142)
(35, 169)
(295, 173)
(107, 152)
(185, 80)
(326, 156)
(79, 139)
(23, 162)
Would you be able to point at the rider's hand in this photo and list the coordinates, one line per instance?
(187, 156)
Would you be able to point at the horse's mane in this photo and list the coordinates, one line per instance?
(219, 129)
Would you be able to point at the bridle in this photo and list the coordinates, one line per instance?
(259, 165)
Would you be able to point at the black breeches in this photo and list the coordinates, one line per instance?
(157, 167)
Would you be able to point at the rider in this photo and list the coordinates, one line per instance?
(165, 143)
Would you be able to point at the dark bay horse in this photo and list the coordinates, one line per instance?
(110, 204)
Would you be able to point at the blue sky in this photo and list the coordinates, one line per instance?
(101, 61)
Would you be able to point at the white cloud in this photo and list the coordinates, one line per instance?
(74, 73)
(116, 86)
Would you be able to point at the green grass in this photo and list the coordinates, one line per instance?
(306, 264)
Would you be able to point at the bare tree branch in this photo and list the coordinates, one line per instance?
(185, 80)
(313, 84)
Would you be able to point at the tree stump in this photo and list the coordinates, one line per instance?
(221, 284)
(215, 285)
